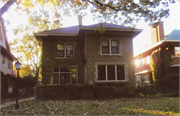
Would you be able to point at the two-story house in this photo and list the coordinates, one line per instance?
(79, 54)
(6, 67)
(170, 42)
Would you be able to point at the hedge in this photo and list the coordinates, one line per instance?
(87, 91)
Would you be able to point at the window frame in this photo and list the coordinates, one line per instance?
(119, 43)
(175, 51)
(1, 33)
(9, 64)
(71, 72)
(115, 64)
(65, 51)
(3, 58)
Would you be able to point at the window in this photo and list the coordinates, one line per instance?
(110, 72)
(65, 50)
(10, 85)
(65, 75)
(110, 46)
(177, 51)
(1, 33)
(148, 59)
(9, 64)
(3, 58)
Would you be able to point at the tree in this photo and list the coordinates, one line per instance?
(115, 11)
(26, 45)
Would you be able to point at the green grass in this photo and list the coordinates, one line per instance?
(122, 106)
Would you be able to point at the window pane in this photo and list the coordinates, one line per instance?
(60, 46)
(60, 53)
(120, 72)
(177, 51)
(64, 69)
(70, 47)
(105, 49)
(111, 72)
(73, 69)
(56, 69)
(114, 43)
(105, 42)
(101, 72)
(56, 78)
(114, 50)
(3, 58)
(69, 53)
(64, 78)
(73, 75)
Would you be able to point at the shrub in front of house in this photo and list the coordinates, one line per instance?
(79, 91)
(113, 90)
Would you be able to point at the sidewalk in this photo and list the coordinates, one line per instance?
(13, 102)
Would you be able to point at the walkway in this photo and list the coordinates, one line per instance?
(13, 102)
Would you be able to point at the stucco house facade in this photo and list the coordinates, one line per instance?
(79, 54)
(169, 42)
(6, 67)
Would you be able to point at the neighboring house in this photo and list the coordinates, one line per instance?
(79, 54)
(170, 42)
(6, 67)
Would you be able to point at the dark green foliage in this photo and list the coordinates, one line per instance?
(79, 91)
(146, 90)
(113, 90)
(27, 81)
(165, 79)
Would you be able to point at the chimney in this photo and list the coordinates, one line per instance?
(157, 32)
(80, 20)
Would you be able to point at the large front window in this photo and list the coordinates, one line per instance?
(65, 50)
(111, 72)
(64, 76)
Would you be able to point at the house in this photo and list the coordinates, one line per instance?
(169, 42)
(6, 67)
(79, 54)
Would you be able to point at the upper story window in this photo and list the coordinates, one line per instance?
(1, 33)
(111, 72)
(9, 64)
(65, 50)
(110, 47)
(3, 58)
(65, 75)
(177, 51)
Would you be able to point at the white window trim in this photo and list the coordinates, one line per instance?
(111, 63)
(65, 57)
(119, 46)
(52, 81)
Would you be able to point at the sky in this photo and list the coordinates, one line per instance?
(140, 41)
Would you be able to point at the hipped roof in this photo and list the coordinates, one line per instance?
(74, 30)
(173, 37)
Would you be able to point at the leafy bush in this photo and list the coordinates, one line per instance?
(114, 90)
(79, 91)
(146, 90)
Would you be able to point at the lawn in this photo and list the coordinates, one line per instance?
(121, 106)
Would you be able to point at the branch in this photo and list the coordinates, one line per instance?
(6, 7)
(101, 5)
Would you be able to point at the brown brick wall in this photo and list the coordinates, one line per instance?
(157, 32)
(77, 60)
(93, 55)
